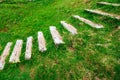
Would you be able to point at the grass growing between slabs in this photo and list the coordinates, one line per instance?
(91, 54)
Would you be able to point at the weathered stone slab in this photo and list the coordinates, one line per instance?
(56, 36)
(4, 55)
(28, 48)
(41, 42)
(88, 22)
(110, 4)
(14, 58)
(69, 27)
(114, 16)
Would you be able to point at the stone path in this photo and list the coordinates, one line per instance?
(57, 38)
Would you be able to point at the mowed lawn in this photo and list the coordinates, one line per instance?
(92, 54)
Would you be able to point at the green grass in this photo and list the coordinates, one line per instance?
(93, 53)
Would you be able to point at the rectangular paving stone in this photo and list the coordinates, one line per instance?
(28, 48)
(4, 55)
(69, 27)
(92, 24)
(41, 42)
(14, 58)
(114, 16)
(56, 35)
(110, 4)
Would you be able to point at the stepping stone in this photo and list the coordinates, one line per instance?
(110, 4)
(28, 48)
(104, 14)
(69, 27)
(4, 55)
(41, 42)
(88, 22)
(14, 58)
(56, 36)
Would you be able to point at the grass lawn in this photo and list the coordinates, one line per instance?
(92, 54)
